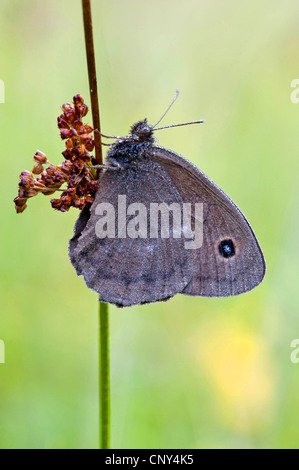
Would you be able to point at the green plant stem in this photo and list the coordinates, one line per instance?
(92, 77)
(104, 376)
(104, 362)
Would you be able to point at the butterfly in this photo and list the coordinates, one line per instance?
(128, 260)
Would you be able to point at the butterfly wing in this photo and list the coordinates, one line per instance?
(230, 260)
(128, 271)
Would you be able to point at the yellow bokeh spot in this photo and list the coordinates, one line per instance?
(237, 366)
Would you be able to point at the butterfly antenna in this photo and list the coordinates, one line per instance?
(182, 124)
(173, 100)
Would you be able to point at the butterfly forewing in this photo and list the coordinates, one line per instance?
(230, 260)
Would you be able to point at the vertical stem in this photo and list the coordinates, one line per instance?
(104, 378)
(104, 363)
(92, 76)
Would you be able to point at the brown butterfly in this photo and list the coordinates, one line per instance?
(137, 263)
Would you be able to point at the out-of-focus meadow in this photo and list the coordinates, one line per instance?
(191, 372)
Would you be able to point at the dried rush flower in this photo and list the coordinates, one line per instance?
(74, 171)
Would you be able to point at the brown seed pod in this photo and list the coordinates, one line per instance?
(37, 169)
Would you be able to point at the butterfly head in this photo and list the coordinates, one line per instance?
(127, 149)
(142, 132)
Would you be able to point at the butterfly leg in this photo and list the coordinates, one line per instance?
(105, 167)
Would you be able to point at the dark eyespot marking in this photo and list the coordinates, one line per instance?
(227, 248)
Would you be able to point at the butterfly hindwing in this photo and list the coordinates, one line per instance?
(128, 271)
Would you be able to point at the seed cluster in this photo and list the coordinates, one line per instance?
(75, 171)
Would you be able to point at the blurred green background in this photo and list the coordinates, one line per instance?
(192, 372)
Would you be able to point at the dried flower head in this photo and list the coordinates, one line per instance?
(74, 172)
